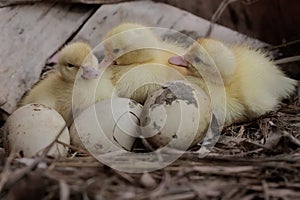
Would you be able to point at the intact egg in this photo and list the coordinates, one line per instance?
(33, 127)
(177, 115)
(107, 126)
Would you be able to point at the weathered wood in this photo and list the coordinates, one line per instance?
(272, 21)
(4, 3)
(29, 35)
(158, 15)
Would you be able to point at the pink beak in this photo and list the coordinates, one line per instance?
(106, 62)
(53, 59)
(178, 60)
(89, 73)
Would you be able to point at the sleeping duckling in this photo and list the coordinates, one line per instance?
(76, 63)
(130, 43)
(253, 84)
(140, 63)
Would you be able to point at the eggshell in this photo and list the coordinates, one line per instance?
(178, 115)
(107, 126)
(33, 127)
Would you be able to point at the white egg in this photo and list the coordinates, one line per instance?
(33, 127)
(176, 115)
(107, 126)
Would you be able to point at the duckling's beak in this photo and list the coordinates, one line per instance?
(53, 59)
(179, 61)
(107, 61)
(89, 73)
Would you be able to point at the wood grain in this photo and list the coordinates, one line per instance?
(4, 3)
(29, 35)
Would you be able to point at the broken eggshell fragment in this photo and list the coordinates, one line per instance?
(33, 127)
(177, 115)
(107, 126)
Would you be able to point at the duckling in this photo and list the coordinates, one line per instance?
(76, 64)
(253, 84)
(130, 43)
(140, 61)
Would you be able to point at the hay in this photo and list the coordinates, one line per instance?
(254, 160)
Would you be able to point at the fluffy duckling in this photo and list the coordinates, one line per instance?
(140, 61)
(76, 65)
(253, 84)
(130, 43)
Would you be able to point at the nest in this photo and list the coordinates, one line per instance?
(255, 160)
(259, 159)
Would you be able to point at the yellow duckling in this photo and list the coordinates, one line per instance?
(140, 61)
(76, 64)
(252, 83)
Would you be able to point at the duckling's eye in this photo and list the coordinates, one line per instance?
(197, 59)
(116, 50)
(70, 65)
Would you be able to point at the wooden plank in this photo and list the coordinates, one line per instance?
(4, 3)
(250, 17)
(29, 35)
(158, 15)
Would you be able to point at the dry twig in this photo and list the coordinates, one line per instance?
(217, 14)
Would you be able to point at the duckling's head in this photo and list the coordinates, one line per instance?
(77, 58)
(210, 58)
(223, 57)
(130, 43)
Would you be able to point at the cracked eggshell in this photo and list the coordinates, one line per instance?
(33, 127)
(177, 115)
(107, 126)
